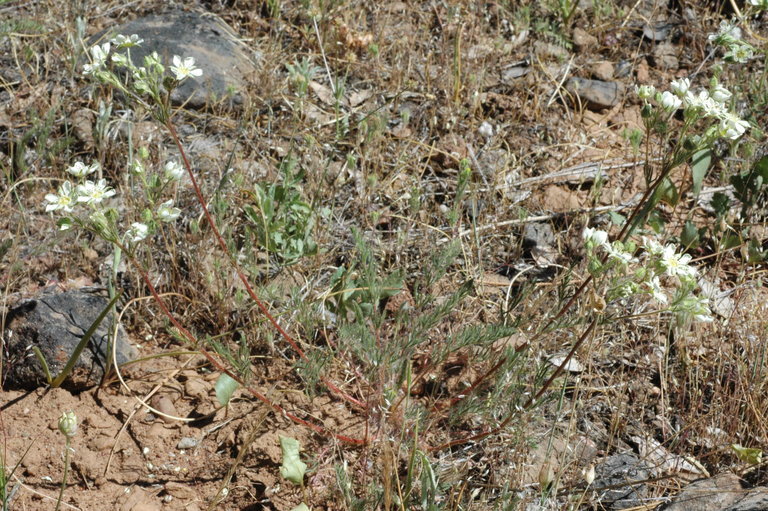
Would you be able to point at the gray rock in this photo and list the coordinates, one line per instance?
(713, 494)
(755, 500)
(617, 481)
(596, 94)
(657, 32)
(187, 442)
(227, 64)
(55, 322)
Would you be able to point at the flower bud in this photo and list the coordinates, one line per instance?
(68, 424)
(646, 111)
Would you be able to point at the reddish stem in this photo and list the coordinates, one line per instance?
(241, 275)
(191, 339)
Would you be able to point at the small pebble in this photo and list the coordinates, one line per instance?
(187, 443)
(486, 129)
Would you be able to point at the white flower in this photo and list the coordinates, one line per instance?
(137, 167)
(704, 102)
(595, 236)
(99, 58)
(732, 127)
(120, 59)
(93, 193)
(122, 41)
(173, 171)
(680, 87)
(64, 200)
(670, 102)
(698, 307)
(645, 91)
(721, 94)
(80, 169)
(676, 265)
(727, 34)
(653, 247)
(184, 68)
(656, 290)
(137, 232)
(739, 52)
(616, 252)
(167, 213)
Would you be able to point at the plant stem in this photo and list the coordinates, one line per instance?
(66, 473)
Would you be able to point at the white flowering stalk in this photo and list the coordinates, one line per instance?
(659, 268)
(68, 427)
(148, 84)
(728, 37)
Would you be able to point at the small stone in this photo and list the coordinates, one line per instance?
(486, 129)
(602, 71)
(543, 49)
(596, 94)
(187, 442)
(657, 32)
(583, 40)
(643, 73)
(164, 404)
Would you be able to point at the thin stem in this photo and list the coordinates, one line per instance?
(66, 472)
(238, 270)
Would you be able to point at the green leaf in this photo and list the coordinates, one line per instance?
(748, 455)
(700, 163)
(82, 344)
(301, 507)
(225, 387)
(292, 468)
(689, 238)
(721, 203)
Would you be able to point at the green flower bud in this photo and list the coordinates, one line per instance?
(646, 111)
(68, 424)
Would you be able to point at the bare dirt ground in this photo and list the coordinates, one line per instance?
(402, 96)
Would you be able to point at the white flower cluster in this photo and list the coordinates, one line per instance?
(728, 36)
(148, 79)
(629, 275)
(97, 217)
(710, 103)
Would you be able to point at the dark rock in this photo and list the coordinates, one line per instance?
(55, 322)
(657, 32)
(595, 93)
(227, 63)
(713, 494)
(623, 68)
(620, 475)
(538, 234)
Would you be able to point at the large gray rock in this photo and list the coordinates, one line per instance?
(713, 494)
(228, 65)
(755, 500)
(55, 322)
